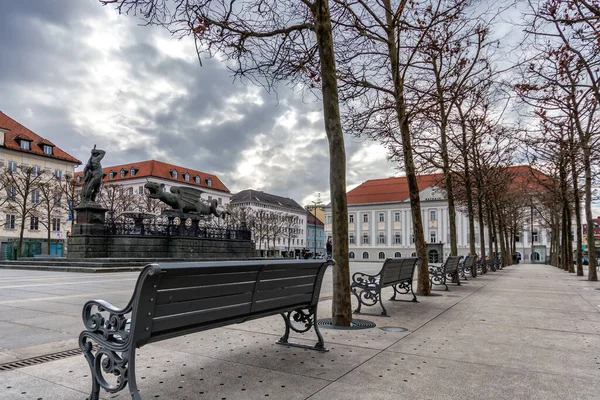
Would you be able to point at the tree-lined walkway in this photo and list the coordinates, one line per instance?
(526, 332)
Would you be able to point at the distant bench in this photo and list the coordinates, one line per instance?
(395, 272)
(176, 299)
(448, 270)
(466, 265)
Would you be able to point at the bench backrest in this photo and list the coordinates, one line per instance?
(470, 261)
(397, 270)
(178, 298)
(451, 263)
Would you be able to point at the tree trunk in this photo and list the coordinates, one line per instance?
(469, 195)
(341, 309)
(423, 288)
(591, 245)
(576, 200)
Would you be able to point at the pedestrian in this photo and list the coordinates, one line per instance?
(329, 248)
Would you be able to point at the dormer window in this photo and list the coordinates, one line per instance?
(174, 173)
(25, 144)
(186, 176)
(197, 179)
(79, 179)
(47, 149)
(208, 182)
(132, 171)
(123, 172)
(111, 174)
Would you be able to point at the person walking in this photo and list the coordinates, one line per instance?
(329, 248)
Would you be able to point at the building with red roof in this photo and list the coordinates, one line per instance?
(20, 146)
(380, 220)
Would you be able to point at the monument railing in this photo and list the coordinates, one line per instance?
(182, 230)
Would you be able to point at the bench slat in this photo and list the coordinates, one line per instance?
(283, 292)
(201, 304)
(197, 318)
(280, 283)
(282, 302)
(174, 282)
(202, 292)
(288, 273)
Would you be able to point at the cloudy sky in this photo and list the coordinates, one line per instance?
(79, 74)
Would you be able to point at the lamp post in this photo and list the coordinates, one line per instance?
(316, 204)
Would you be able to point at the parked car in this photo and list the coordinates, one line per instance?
(584, 260)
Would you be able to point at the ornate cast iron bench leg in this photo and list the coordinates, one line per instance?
(403, 288)
(304, 320)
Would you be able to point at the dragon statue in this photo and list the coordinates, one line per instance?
(184, 200)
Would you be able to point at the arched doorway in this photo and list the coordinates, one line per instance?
(398, 254)
(381, 255)
(365, 255)
(535, 256)
(433, 256)
(351, 255)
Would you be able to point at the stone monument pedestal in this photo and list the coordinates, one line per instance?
(90, 219)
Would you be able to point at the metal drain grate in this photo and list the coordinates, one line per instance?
(356, 324)
(28, 362)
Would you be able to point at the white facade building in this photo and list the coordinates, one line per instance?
(19, 146)
(289, 233)
(380, 222)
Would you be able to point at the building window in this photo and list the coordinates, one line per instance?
(397, 255)
(111, 175)
(47, 149)
(381, 217)
(432, 237)
(365, 217)
(412, 237)
(174, 174)
(351, 255)
(57, 199)
(35, 197)
(534, 236)
(140, 190)
(365, 238)
(398, 238)
(12, 166)
(432, 215)
(328, 219)
(11, 193)
(11, 221)
(122, 173)
(365, 255)
(132, 171)
(351, 238)
(220, 201)
(209, 198)
(186, 177)
(381, 238)
(208, 182)
(25, 144)
(381, 255)
(35, 171)
(351, 218)
(130, 191)
(55, 224)
(413, 254)
(397, 216)
(197, 179)
(34, 223)
(58, 174)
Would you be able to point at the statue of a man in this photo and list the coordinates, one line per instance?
(92, 175)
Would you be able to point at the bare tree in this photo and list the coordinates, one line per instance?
(22, 186)
(271, 41)
(67, 186)
(51, 206)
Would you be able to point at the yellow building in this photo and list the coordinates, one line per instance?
(19, 146)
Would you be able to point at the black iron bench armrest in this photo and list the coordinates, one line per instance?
(362, 279)
(437, 270)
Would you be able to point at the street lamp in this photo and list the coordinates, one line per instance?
(316, 204)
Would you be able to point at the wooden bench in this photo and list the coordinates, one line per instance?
(395, 272)
(175, 299)
(448, 270)
(467, 263)
(481, 264)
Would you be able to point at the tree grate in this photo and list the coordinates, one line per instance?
(28, 362)
(355, 324)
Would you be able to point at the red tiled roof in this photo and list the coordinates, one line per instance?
(159, 169)
(16, 130)
(389, 190)
(395, 189)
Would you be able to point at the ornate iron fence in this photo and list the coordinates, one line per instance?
(181, 230)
